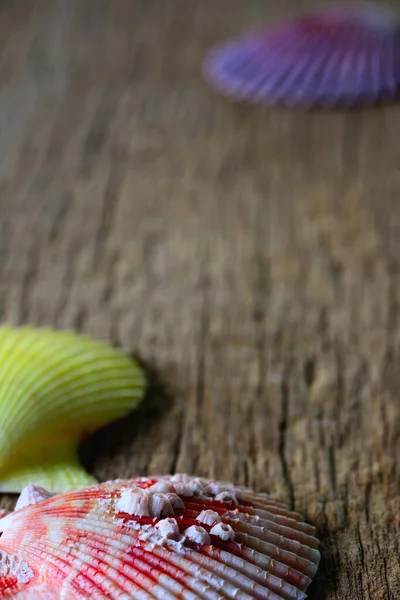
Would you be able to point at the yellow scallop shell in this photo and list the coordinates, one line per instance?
(55, 388)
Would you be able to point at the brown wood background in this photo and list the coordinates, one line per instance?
(249, 256)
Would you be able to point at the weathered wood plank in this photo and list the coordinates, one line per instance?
(249, 256)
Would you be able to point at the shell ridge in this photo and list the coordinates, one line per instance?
(171, 585)
(52, 369)
(228, 73)
(283, 544)
(136, 553)
(272, 66)
(231, 574)
(132, 579)
(286, 59)
(259, 510)
(279, 520)
(73, 394)
(303, 565)
(262, 501)
(60, 569)
(315, 70)
(276, 520)
(286, 536)
(283, 564)
(124, 581)
(180, 558)
(282, 569)
(85, 583)
(169, 568)
(310, 48)
(239, 526)
(266, 578)
(166, 587)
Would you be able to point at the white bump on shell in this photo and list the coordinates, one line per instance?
(168, 528)
(197, 534)
(227, 496)
(162, 486)
(32, 494)
(193, 487)
(134, 502)
(145, 503)
(10, 564)
(235, 515)
(183, 489)
(197, 484)
(180, 478)
(208, 517)
(176, 502)
(223, 531)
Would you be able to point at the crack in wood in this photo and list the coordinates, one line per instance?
(283, 432)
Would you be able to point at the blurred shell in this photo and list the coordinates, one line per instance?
(55, 388)
(333, 57)
(126, 539)
(32, 494)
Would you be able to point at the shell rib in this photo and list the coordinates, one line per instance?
(55, 388)
(127, 539)
(335, 57)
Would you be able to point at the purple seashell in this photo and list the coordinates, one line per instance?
(330, 58)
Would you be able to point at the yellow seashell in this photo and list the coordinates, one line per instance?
(56, 388)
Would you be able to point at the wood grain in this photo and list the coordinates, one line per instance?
(250, 257)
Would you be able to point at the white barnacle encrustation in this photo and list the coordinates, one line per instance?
(235, 515)
(146, 503)
(183, 489)
(160, 505)
(168, 527)
(198, 485)
(227, 496)
(197, 534)
(208, 517)
(180, 478)
(215, 487)
(11, 564)
(176, 502)
(224, 531)
(134, 501)
(165, 487)
(193, 487)
(223, 491)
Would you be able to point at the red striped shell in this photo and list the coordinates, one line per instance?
(151, 538)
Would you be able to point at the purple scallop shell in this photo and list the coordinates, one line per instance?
(331, 58)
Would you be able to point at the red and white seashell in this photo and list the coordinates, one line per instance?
(340, 56)
(140, 539)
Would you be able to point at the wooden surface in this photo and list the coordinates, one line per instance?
(249, 256)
